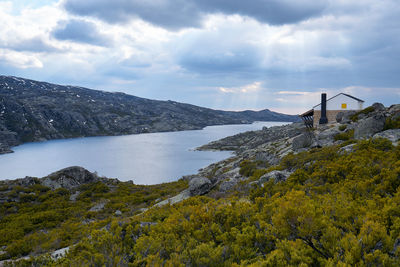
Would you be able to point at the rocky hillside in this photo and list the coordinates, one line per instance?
(271, 145)
(36, 111)
(288, 197)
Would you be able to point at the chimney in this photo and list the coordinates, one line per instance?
(323, 119)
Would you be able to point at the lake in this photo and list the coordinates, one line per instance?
(143, 158)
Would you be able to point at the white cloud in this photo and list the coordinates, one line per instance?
(249, 88)
(19, 60)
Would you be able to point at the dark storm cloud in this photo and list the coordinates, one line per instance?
(80, 31)
(275, 12)
(176, 14)
(172, 14)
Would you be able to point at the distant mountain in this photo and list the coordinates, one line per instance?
(35, 111)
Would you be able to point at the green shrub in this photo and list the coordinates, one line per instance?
(376, 143)
(40, 188)
(27, 197)
(364, 111)
(3, 188)
(391, 123)
(247, 168)
(342, 127)
(344, 136)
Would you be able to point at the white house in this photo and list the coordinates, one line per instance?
(326, 111)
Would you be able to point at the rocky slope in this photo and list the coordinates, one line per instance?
(36, 111)
(270, 145)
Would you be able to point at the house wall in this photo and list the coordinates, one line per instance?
(335, 104)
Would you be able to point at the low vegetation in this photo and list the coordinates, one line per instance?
(344, 136)
(342, 127)
(37, 219)
(337, 208)
(392, 123)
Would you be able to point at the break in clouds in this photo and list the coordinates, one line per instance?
(188, 50)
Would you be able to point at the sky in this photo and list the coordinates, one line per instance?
(222, 54)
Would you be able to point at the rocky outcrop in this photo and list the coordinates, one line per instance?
(35, 111)
(326, 136)
(276, 176)
(347, 149)
(199, 186)
(367, 127)
(393, 135)
(98, 207)
(228, 185)
(344, 116)
(302, 141)
(268, 146)
(69, 178)
(175, 199)
(253, 139)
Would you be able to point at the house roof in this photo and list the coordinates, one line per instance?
(307, 113)
(355, 98)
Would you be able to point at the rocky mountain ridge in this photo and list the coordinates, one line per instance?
(35, 111)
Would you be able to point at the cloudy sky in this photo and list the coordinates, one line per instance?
(225, 54)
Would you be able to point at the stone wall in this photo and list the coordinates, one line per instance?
(330, 114)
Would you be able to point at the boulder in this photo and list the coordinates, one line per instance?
(227, 185)
(27, 181)
(69, 178)
(339, 117)
(98, 207)
(302, 141)
(344, 116)
(366, 128)
(347, 149)
(74, 196)
(393, 135)
(378, 107)
(268, 157)
(232, 174)
(185, 194)
(327, 137)
(394, 109)
(278, 176)
(118, 213)
(199, 186)
(59, 253)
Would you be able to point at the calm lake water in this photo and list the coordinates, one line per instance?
(144, 158)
